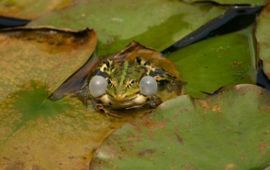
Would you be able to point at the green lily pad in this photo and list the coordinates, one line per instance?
(155, 23)
(228, 131)
(263, 38)
(217, 62)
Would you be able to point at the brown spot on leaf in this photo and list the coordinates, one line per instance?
(230, 166)
(237, 63)
(263, 148)
(216, 108)
(188, 167)
(178, 136)
(149, 123)
(204, 104)
(36, 167)
(5, 158)
(179, 139)
(71, 157)
(18, 165)
(146, 152)
(207, 106)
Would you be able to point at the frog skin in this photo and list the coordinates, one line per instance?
(122, 76)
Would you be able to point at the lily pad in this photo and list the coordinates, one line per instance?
(231, 2)
(36, 54)
(36, 133)
(218, 62)
(263, 38)
(228, 131)
(155, 23)
(31, 9)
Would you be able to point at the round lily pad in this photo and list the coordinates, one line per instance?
(226, 131)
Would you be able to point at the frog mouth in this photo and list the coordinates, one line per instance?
(138, 101)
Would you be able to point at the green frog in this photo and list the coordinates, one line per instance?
(136, 79)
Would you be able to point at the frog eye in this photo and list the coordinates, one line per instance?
(148, 85)
(98, 86)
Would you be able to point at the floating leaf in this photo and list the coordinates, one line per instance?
(42, 54)
(263, 38)
(155, 23)
(36, 133)
(226, 131)
(231, 2)
(30, 9)
(220, 61)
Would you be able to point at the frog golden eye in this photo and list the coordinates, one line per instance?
(148, 86)
(97, 86)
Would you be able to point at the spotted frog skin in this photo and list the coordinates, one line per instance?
(123, 73)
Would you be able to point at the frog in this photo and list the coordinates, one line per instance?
(137, 79)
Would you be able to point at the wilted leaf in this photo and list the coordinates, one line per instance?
(228, 131)
(36, 133)
(31, 9)
(42, 54)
